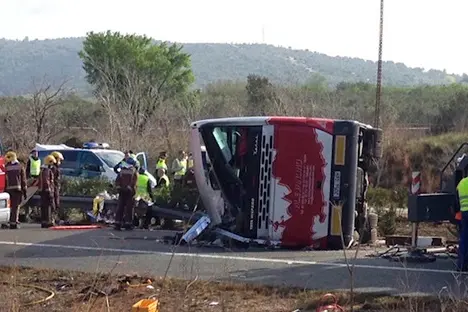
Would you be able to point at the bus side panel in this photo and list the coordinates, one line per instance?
(302, 177)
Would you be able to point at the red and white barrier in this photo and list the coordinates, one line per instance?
(415, 182)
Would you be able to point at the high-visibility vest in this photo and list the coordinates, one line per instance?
(190, 163)
(34, 166)
(462, 189)
(142, 186)
(182, 171)
(161, 164)
(165, 178)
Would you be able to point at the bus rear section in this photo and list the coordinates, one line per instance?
(287, 179)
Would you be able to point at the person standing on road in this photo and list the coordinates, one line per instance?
(161, 163)
(15, 186)
(46, 189)
(33, 167)
(119, 166)
(163, 179)
(58, 213)
(462, 190)
(126, 184)
(179, 168)
(144, 185)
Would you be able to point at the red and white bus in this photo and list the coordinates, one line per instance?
(285, 178)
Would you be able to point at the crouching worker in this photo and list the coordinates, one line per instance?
(46, 189)
(126, 185)
(15, 186)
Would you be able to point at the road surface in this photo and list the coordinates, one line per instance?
(143, 252)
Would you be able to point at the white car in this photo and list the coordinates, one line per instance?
(4, 208)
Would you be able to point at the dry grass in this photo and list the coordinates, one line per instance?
(76, 291)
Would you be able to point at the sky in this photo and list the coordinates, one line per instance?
(419, 33)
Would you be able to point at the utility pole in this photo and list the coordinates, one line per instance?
(378, 95)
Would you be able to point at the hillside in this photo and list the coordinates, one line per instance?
(23, 61)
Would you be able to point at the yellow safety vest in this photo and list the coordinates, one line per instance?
(142, 186)
(182, 171)
(462, 189)
(34, 166)
(161, 164)
(190, 162)
(165, 178)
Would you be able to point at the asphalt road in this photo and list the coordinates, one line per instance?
(143, 252)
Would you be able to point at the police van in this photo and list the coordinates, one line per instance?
(92, 161)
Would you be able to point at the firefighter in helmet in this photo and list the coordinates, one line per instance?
(15, 186)
(46, 189)
(56, 172)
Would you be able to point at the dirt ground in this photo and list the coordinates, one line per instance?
(75, 291)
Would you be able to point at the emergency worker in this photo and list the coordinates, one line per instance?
(133, 155)
(46, 189)
(163, 179)
(161, 163)
(123, 162)
(179, 168)
(56, 171)
(144, 185)
(190, 161)
(462, 189)
(126, 183)
(33, 167)
(15, 186)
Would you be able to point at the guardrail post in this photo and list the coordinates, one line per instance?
(415, 190)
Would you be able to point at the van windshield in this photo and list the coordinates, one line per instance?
(111, 158)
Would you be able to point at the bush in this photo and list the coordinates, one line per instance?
(387, 222)
(383, 198)
(85, 187)
(427, 155)
(94, 186)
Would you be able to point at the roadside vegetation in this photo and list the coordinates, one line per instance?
(25, 288)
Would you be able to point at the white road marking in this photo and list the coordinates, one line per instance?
(237, 258)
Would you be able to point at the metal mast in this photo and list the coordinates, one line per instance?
(378, 94)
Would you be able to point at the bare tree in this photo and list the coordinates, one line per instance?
(44, 106)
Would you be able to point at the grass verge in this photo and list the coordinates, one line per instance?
(77, 291)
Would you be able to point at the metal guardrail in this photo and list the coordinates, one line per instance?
(85, 203)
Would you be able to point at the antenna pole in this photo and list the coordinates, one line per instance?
(378, 95)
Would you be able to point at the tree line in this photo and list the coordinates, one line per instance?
(22, 59)
(144, 99)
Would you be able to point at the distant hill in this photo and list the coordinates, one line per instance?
(21, 61)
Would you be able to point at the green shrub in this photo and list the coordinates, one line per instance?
(383, 198)
(85, 187)
(387, 222)
(162, 195)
